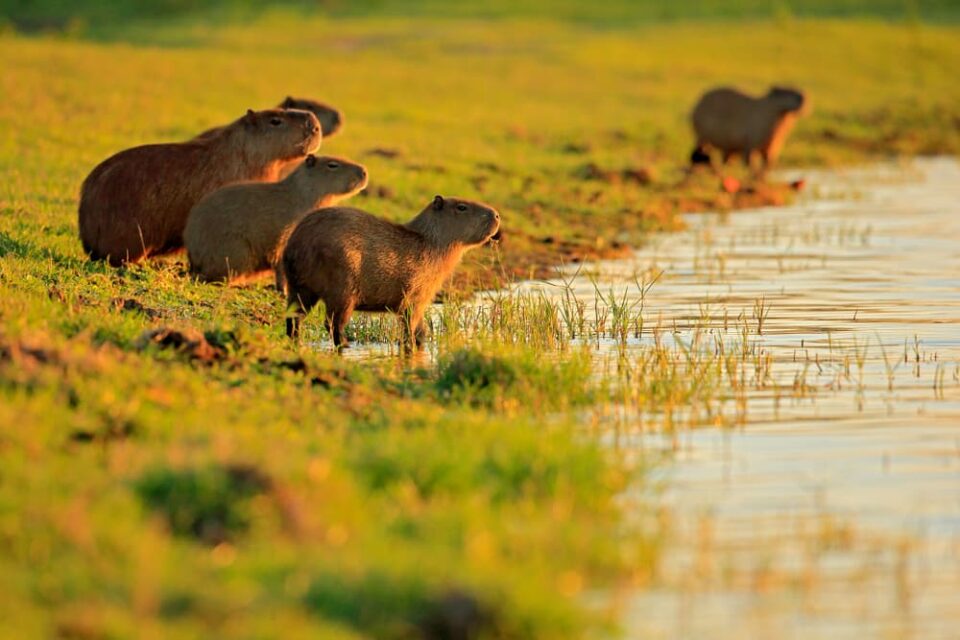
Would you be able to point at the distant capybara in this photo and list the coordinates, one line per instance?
(331, 120)
(239, 231)
(734, 123)
(354, 261)
(135, 203)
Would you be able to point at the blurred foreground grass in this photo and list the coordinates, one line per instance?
(231, 485)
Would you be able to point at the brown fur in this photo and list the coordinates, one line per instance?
(737, 124)
(354, 261)
(331, 120)
(135, 204)
(330, 123)
(239, 231)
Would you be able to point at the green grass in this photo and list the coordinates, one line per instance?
(247, 488)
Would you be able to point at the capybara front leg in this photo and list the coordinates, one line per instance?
(337, 318)
(768, 161)
(757, 163)
(412, 326)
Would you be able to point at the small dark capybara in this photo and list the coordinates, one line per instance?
(737, 124)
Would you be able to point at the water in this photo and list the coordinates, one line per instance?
(835, 513)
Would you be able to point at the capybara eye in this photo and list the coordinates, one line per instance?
(275, 121)
(333, 165)
(461, 207)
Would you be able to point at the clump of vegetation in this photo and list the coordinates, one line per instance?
(471, 370)
(210, 504)
(495, 378)
(391, 606)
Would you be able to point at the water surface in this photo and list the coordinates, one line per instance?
(834, 512)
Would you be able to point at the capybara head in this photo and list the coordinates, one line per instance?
(450, 221)
(331, 120)
(326, 175)
(787, 99)
(283, 133)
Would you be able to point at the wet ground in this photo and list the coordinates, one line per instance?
(832, 511)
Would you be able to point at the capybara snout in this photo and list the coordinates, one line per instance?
(297, 120)
(331, 120)
(349, 176)
(472, 222)
(790, 99)
(300, 128)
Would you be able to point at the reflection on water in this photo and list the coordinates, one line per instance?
(835, 513)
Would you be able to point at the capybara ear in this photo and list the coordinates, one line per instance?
(250, 118)
(311, 160)
(288, 102)
(437, 203)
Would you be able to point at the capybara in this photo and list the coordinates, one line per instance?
(135, 203)
(331, 120)
(355, 261)
(238, 231)
(734, 123)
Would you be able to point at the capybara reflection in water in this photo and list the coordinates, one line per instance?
(135, 204)
(737, 124)
(239, 231)
(355, 261)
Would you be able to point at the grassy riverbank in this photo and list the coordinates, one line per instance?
(233, 485)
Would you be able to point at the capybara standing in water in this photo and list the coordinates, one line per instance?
(239, 231)
(354, 261)
(734, 123)
(331, 120)
(135, 203)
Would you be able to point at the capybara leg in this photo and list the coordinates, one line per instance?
(411, 324)
(768, 161)
(699, 156)
(756, 163)
(419, 335)
(338, 315)
(280, 277)
(299, 305)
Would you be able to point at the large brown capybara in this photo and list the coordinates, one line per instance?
(135, 204)
(355, 261)
(239, 231)
(737, 124)
(331, 120)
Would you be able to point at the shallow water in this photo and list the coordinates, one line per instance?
(835, 512)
